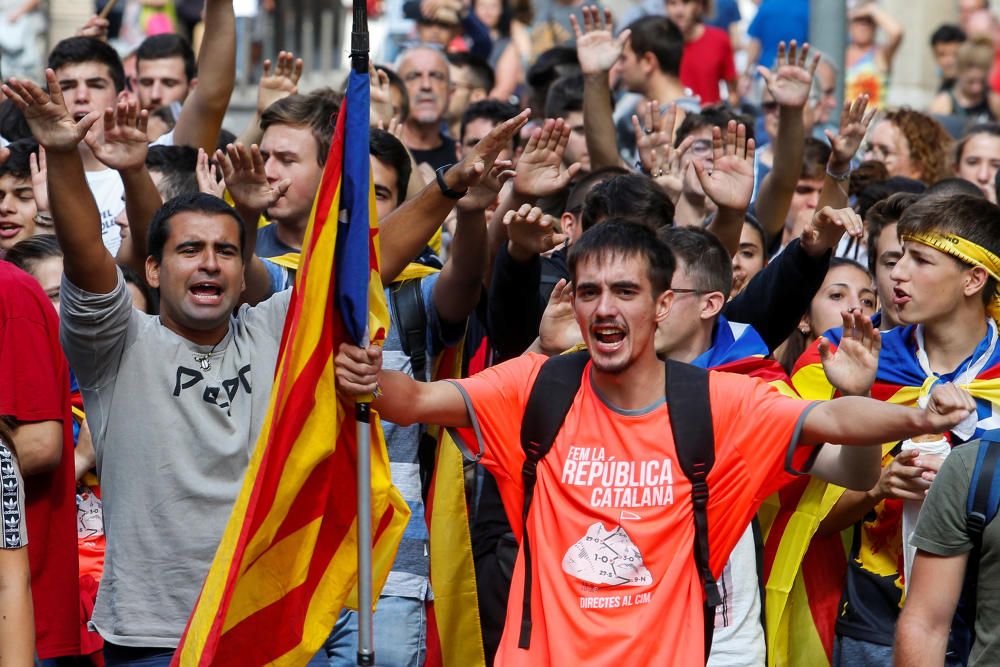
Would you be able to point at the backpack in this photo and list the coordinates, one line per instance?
(550, 399)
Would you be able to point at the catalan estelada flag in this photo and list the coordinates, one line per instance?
(805, 572)
(738, 348)
(287, 563)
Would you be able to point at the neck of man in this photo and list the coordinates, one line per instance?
(949, 342)
(197, 336)
(695, 345)
(635, 388)
(292, 234)
(422, 136)
(694, 32)
(888, 320)
(664, 88)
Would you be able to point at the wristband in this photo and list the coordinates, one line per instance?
(839, 177)
(445, 190)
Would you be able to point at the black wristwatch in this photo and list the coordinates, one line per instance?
(445, 190)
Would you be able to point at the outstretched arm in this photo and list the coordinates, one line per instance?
(598, 50)
(402, 400)
(86, 262)
(202, 114)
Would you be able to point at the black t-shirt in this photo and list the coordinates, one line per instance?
(437, 157)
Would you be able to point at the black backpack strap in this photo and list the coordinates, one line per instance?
(982, 502)
(549, 402)
(758, 546)
(691, 423)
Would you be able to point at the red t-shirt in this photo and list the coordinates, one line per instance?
(612, 534)
(707, 61)
(34, 386)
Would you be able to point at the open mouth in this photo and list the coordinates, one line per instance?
(608, 336)
(899, 297)
(80, 115)
(206, 293)
(9, 230)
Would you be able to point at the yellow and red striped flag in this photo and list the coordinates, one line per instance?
(287, 562)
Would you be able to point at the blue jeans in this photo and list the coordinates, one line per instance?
(127, 656)
(400, 626)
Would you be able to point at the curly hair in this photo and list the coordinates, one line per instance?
(929, 142)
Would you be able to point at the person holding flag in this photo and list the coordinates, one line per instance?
(944, 291)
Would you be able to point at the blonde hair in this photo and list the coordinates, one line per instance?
(976, 52)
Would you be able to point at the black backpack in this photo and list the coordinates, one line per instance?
(552, 395)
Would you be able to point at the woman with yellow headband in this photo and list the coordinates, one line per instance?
(944, 289)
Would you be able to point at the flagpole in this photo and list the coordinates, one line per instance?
(366, 646)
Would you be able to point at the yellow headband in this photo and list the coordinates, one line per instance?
(968, 252)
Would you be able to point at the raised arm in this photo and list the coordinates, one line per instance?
(244, 177)
(405, 231)
(598, 50)
(86, 262)
(274, 85)
(730, 184)
(789, 84)
(123, 146)
(400, 399)
(854, 121)
(203, 111)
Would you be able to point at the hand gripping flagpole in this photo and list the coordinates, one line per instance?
(366, 646)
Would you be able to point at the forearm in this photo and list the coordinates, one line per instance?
(855, 468)
(688, 213)
(727, 225)
(405, 401)
(202, 114)
(599, 127)
(142, 200)
(855, 420)
(919, 642)
(515, 309)
(497, 231)
(17, 623)
(406, 231)
(252, 134)
(86, 262)
(776, 191)
(461, 283)
(834, 192)
(851, 508)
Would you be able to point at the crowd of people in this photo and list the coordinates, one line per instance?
(729, 348)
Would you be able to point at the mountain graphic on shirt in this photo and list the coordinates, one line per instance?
(606, 558)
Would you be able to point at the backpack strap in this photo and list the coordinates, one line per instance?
(984, 491)
(694, 439)
(549, 402)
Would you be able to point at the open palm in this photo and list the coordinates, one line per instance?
(854, 365)
(730, 185)
(854, 122)
(46, 114)
(791, 81)
(596, 47)
(125, 143)
(243, 173)
(540, 171)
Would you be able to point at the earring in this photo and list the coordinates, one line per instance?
(804, 329)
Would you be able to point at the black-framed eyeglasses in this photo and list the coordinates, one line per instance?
(687, 290)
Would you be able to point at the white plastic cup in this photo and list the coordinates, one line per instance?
(911, 508)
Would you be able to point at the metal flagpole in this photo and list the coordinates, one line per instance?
(366, 646)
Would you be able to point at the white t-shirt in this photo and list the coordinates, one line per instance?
(738, 640)
(109, 193)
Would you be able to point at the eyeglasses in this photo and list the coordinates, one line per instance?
(687, 290)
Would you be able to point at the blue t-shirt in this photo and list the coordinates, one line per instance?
(727, 12)
(776, 21)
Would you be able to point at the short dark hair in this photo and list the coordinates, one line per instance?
(714, 116)
(396, 82)
(989, 129)
(317, 111)
(18, 164)
(972, 218)
(618, 238)
(133, 278)
(388, 149)
(876, 191)
(578, 194)
(814, 158)
(167, 45)
(177, 164)
(947, 33)
(13, 126)
(953, 186)
(565, 96)
(707, 260)
(491, 110)
(194, 202)
(658, 35)
(631, 197)
(883, 213)
(74, 50)
(32, 250)
(480, 70)
(751, 220)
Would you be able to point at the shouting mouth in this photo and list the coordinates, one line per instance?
(206, 293)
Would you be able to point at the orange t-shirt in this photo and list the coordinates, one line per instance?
(612, 534)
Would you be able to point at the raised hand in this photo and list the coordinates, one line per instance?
(854, 122)
(947, 407)
(652, 134)
(280, 83)
(558, 331)
(124, 143)
(208, 176)
(596, 47)
(484, 194)
(39, 185)
(480, 158)
(853, 367)
(792, 78)
(540, 170)
(381, 96)
(530, 232)
(46, 114)
(96, 27)
(826, 228)
(243, 172)
(667, 171)
(730, 183)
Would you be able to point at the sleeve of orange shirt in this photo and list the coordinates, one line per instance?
(496, 399)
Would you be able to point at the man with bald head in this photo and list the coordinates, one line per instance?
(424, 70)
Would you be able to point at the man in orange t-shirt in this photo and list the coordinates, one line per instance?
(611, 528)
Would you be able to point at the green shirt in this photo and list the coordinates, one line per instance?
(941, 531)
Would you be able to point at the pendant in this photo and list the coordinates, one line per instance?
(205, 360)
